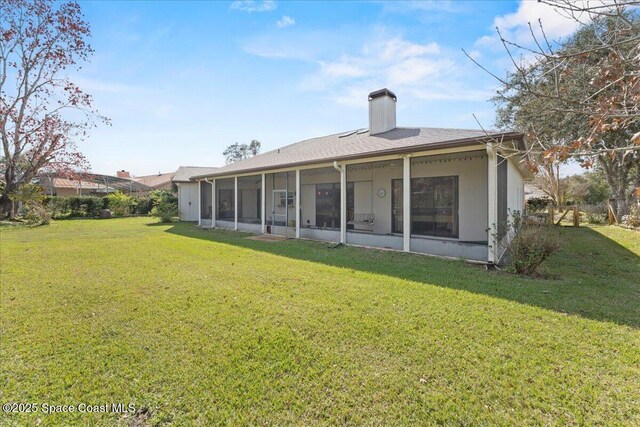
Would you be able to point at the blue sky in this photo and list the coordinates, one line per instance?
(183, 80)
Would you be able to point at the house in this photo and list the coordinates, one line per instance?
(159, 181)
(90, 184)
(425, 190)
(532, 191)
(188, 191)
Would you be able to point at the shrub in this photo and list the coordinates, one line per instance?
(528, 245)
(633, 219)
(531, 246)
(32, 199)
(596, 214)
(75, 206)
(120, 204)
(143, 206)
(36, 214)
(537, 204)
(165, 205)
(92, 206)
(55, 205)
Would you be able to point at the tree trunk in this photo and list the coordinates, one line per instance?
(617, 170)
(6, 206)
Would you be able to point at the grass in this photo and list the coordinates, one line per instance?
(207, 327)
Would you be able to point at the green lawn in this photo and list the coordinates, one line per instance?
(208, 327)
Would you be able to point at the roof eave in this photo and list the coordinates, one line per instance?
(402, 150)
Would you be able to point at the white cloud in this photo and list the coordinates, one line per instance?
(515, 26)
(429, 6)
(341, 69)
(254, 5)
(421, 71)
(285, 21)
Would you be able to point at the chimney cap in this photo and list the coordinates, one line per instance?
(382, 92)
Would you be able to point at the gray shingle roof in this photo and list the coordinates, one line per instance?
(185, 173)
(355, 145)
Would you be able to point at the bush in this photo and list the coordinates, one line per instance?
(531, 246)
(165, 205)
(537, 204)
(143, 206)
(596, 214)
(120, 204)
(32, 199)
(528, 245)
(36, 214)
(633, 219)
(75, 206)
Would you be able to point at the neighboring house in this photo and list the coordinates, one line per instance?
(531, 191)
(188, 196)
(90, 184)
(426, 190)
(160, 181)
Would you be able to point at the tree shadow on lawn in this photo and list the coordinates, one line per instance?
(597, 278)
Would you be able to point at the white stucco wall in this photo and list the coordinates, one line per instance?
(377, 176)
(188, 201)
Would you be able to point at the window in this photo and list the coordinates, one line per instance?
(434, 206)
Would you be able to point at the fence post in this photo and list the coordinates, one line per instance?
(610, 216)
(576, 216)
(550, 216)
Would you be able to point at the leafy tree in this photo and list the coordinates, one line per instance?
(590, 188)
(237, 152)
(42, 113)
(165, 205)
(580, 97)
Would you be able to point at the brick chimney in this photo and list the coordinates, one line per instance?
(123, 174)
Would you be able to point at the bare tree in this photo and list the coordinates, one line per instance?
(43, 114)
(580, 97)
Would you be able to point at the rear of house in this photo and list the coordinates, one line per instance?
(189, 191)
(425, 190)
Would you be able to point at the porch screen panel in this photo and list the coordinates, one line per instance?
(328, 205)
(205, 200)
(397, 225)
(434, 206)
(225, 201)
(502, 194)
(249, 199)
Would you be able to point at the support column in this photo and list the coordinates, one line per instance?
(235, 201)
(199, 203)
(213, 203)
(343, 204)
(406, 203)
(263, 204)
(297, 203)
(492, 203)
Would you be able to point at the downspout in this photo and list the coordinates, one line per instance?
(343, 202)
